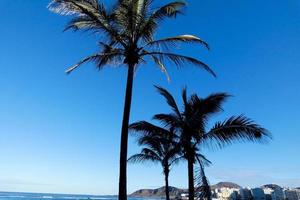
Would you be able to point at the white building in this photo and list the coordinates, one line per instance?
(184, 196)
(268, 190)
(225, 193)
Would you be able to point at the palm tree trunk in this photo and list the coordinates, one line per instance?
(124, 135)
(167, 183)
(190, 160)
(191, 177)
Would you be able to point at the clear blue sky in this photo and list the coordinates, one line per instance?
(60, 133)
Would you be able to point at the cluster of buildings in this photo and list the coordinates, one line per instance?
(264, 193)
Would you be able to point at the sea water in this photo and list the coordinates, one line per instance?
(48, 196)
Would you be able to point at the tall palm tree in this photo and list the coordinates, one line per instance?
(191, 124)
(126, 33)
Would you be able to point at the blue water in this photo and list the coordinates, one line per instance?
(46, 196)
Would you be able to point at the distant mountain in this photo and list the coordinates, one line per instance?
(272, 186)
(226, 184)
(160, 192)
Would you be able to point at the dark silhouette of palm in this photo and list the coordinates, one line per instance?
(160, 146)
(191, 124)
(126, 33)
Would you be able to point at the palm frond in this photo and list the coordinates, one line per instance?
(169, 10)
(63, 7)
(146, 128)
(159, 143)
(142, 6)
(150, 24)
(173, 41)
(234, 129)
(213, 103)
(153, 138)
(161, 66)
(170, 100)
(184, 98)
(209, 105)
(153, 147)
(127, 17)
(178, 159)
(203, 186)
(110, 55)
(76, 7)
(153, 151)
(180, 60)
(168, 120)
(100, 59)
(89, 14)
(83, 23)
(137, 158)
(87, 59)
(203, 160)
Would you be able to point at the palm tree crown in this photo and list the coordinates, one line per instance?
(192, 121)
(159, 145)
(127, 32)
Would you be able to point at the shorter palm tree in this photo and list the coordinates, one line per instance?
(160, 146)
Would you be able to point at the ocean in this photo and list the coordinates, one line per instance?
(48, 196)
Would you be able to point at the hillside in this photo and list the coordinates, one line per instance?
(160, 192)
(226, 184)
